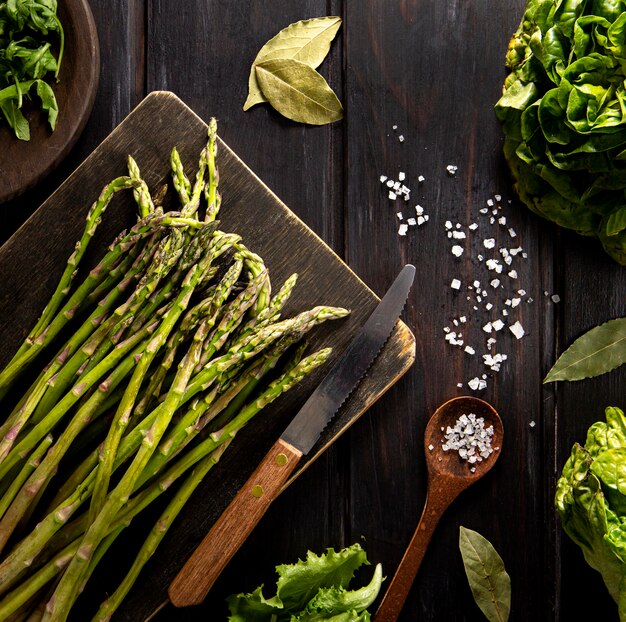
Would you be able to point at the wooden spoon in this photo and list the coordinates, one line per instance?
(448, 476)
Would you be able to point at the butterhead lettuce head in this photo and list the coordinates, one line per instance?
(591, 501)
(563, 111)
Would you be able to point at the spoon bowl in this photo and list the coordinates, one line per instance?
(448, 464)
(448, 476)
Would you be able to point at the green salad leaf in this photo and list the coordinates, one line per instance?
(312, 590)
(591, 501)
(27, 57)
(563, 111)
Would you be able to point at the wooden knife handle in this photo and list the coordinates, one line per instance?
(197, 576)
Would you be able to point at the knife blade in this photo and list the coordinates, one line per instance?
(200, 571)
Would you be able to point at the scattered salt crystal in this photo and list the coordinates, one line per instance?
(488, 327)
(515, 302)
(488, 306)
(419, 210)
(392, 195)
(521, 292)
(421, 220)
(421, 178)
(502, 220)
(532, 424)
(470, 350)
(473, 226)
(495, 283)
(401, 138)
(394, 127)
(390, 183)
(403, 229)
(498, 325)
(474, 383)
(448, 224)
(458, 235)
(431, 447)
(457, 250)
(497, 197)
(484, 210)
(556, 298)
(456, 284)
(451, 169)
(411, 222)
(490, 202)
(517, 329)
(401, 176)
(399, 215)
(489, 243)
(383, 178)
(463, 319)
(513, 274)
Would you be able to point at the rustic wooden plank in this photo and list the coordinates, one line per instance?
(592, 292)
(266, 225)
(208, 67)
(204, 56)
(434, 70)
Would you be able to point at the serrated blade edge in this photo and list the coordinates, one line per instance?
(307, 426)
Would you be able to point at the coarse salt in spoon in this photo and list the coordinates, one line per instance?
(472, 447)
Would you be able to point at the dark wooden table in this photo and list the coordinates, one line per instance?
(433, 69)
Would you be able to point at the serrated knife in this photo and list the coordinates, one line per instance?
(199, 573)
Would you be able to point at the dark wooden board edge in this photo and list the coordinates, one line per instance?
(76, 90)
(165, 110)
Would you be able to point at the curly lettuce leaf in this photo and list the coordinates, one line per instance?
(312, 590)
(299, 582)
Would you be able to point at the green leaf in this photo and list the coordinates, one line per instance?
(298, 92)
(307, 41)
(610, 468)
(598, 351)
(616, 222)
(299, 582)
(313, 590)
(253, 607)
(489, 581)
(335, 600)
(48, 102)
(15, 119)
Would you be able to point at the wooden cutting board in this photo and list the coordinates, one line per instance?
(33, 259)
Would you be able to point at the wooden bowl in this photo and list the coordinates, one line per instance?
(24, 163)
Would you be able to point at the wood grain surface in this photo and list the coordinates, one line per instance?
(24, 163)
(435, 70)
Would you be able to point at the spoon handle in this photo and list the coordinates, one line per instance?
(400, 585)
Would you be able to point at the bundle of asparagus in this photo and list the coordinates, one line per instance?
(165, 350)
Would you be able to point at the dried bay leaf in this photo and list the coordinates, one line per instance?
(307, 41)
(488, 580)
(598, 351)
(298, 92)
